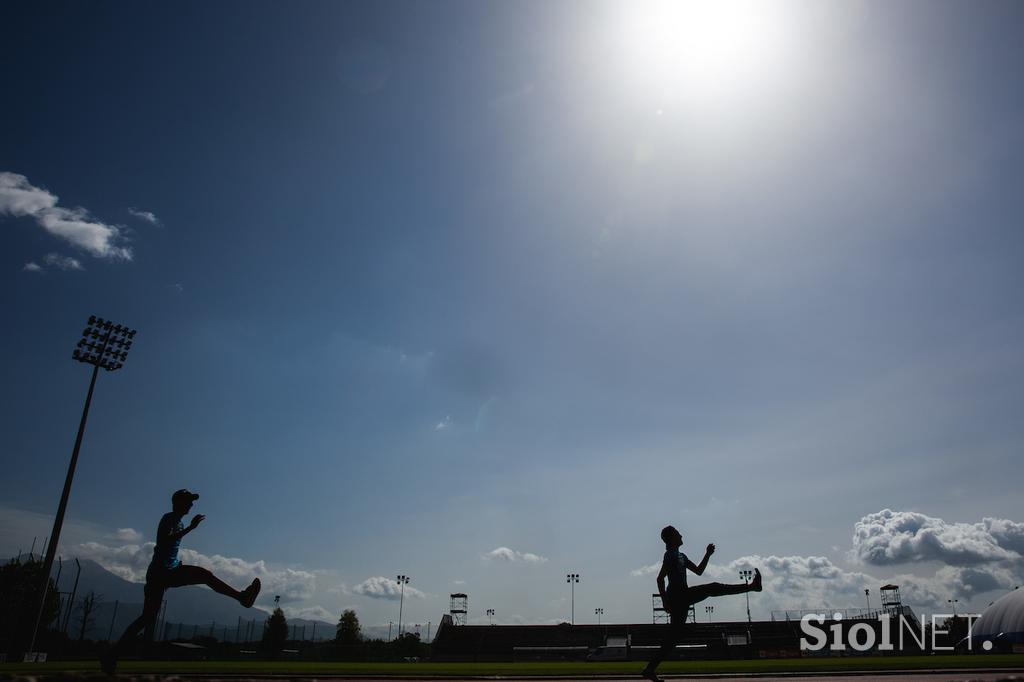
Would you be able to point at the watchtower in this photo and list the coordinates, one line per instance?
(660, 615)
(891, 602)
(459, 608)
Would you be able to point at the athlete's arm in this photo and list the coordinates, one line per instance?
(178, 534)
(699, 570)
(661, 587)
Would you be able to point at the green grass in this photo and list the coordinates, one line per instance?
(573, 669)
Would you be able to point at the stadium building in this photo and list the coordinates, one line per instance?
(776, 638)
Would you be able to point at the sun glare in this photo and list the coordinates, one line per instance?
(702, 47)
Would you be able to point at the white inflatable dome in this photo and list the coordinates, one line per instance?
(1002, 623)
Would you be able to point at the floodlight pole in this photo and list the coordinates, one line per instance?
(402, 581)
(99, 353)
(572, 579)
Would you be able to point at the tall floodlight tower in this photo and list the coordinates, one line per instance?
(403, 580)
(572, 579)
(103, 345)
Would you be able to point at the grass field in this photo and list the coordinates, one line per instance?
(553, 669)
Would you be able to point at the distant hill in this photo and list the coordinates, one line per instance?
(195, 609)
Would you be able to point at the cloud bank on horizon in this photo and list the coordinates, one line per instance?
(918, 541)
(131, 561)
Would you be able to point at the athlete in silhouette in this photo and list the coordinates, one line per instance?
(166, 570)
(678, 596)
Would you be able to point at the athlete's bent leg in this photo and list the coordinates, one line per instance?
(150, 611)
(668, 644)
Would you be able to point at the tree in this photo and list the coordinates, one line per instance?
(87, 612)
(407, 645)
(276, 632)
(348, 628)
(19, 597)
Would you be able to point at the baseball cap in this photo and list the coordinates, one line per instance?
(184, 494)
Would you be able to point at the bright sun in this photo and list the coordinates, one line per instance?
(703, 47)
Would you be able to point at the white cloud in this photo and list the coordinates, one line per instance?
(55, 260)
(894, 537)
(19, 198)
(1009, 534)
(444, 424)
(797, 582)
(650, 569)
(32, 267)
(148, 216)
(812, 582)
(128, 535)
(511, 555)
(379, 587)
(311, 613)
(967, 581)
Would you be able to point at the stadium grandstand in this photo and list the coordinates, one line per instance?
(775, 638)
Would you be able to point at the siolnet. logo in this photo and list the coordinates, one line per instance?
(864, 635)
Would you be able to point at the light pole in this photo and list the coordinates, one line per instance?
(709, 610)
(572, 579)
(954, 602)
(867, 598)
(103, 344)
(403, 580)
(598, 612)
(747, 574)
(490, 616)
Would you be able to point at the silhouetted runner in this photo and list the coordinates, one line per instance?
(166, 570)
(678, 597)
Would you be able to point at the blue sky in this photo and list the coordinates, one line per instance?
(486, 293)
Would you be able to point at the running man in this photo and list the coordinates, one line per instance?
(679, 596)
(166, 570)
